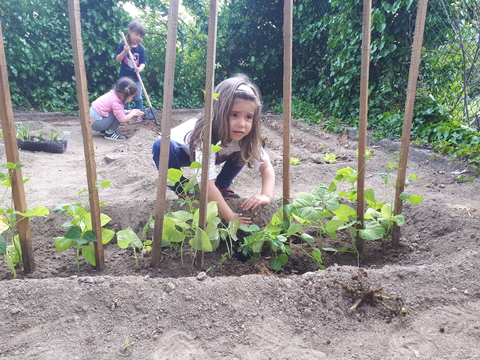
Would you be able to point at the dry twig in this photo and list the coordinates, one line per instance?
(364, 293)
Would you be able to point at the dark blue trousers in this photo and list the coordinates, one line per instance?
(179, 158)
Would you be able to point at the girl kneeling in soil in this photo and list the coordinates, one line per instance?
(236, 125)
(107, 112)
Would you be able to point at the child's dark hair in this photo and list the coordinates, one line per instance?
(126, 86)
(238, 86)
(135, 26)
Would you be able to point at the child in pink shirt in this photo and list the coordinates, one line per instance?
(107, 112)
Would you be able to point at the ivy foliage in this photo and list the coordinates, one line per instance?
(39, 52)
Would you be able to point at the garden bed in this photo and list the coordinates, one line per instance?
(243, 309)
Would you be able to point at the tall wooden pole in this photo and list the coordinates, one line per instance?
(362, 126)
(407, 120)
(166, 127)
(88, 148)
(11, 150)
(287, 95)
(207, 132)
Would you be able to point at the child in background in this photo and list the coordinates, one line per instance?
(236, 125)
(107, 112)
(135, 34)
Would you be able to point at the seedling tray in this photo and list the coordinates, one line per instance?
(51, 146)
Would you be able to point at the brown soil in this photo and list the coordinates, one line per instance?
(242, 309)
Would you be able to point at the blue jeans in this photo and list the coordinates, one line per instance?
(179, 158)
(137, 99)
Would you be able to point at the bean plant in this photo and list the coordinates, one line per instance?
(182, 226)
(9, 219)
(326, 210)
(80, 232)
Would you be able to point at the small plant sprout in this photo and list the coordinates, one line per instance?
(9, 219)
(329, 158)
(368, 153)
(294, 160)
(23, 133)
(80, 232)
(127, 238)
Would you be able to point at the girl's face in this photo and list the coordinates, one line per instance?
(241, 119)
(134, 38)
(128, 99)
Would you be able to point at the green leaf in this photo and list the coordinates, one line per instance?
(277, 262)
(62, 243)
(308, 238)
(127, 237)
(89, 236)
(88, 253)
(200, 241)
(180, 218)
(373, 231)
(174, 175)
(171, 233)
(38, 211)
(105, 184)
(415, 199)
(345, 212)
(74, 233)
(250, 228)
(333, 225)
(107, 235)
(293, 229)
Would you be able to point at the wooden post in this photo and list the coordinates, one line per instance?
(287, 95)
(208, 113)
(84, 109)
(407, 120)
(11, 150)
(166, 127)
(362, 126)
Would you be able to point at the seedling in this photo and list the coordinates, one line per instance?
(322, 210)
(329, 158)
(182, 225)
(9, 219)
(23, 133)
(80, 232)
(294, 161)
(126, 238)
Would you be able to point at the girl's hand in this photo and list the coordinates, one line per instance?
(243, 220)
(255, 201)
(137, 112)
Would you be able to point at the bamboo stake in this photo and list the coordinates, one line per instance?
(166, 127)
(287, 95)
(11, 150)
(407, 120)
(362, 126)
(88, 148)
(207, 132)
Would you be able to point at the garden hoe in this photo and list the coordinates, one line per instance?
(150, 112)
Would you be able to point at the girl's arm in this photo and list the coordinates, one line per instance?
(120, 56)
(215, 195)
(268, 185)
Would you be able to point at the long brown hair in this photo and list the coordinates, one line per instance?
(228, 91)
